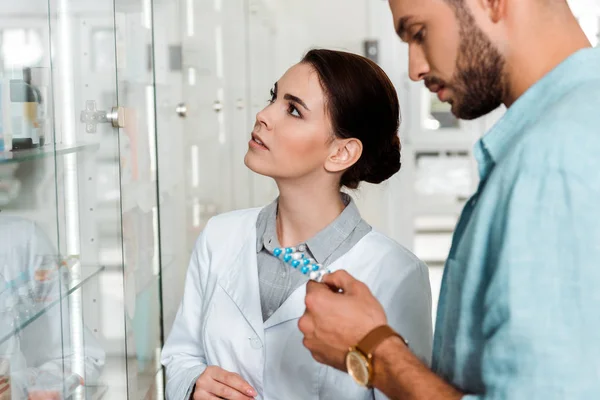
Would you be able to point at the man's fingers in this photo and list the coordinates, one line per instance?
(306, 324)
(318, 294)
(340, 280)
(312, 286)
(235, 382)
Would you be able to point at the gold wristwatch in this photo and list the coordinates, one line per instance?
(359, 360)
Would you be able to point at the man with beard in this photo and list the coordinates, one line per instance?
(519, 315)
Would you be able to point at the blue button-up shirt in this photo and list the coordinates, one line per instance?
(519, 311)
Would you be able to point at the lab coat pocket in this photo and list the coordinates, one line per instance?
(291, 372)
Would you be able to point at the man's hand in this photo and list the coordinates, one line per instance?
(339, 313)
(216, 383)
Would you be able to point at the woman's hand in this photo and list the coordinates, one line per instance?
(216, 383)
(44, 395)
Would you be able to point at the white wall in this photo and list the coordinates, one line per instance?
(339, 24)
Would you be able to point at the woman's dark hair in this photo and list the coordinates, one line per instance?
(362, 103)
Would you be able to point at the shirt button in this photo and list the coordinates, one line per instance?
(283, 274)
(255, 343)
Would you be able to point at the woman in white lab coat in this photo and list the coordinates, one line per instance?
(332, 122)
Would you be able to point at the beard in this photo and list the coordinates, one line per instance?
(479, 84)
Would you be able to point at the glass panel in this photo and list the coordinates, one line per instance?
(138, 152)
(172, 114)
(89, 214)
(22, 46)
(54, 334)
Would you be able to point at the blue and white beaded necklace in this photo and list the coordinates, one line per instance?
(297, 259)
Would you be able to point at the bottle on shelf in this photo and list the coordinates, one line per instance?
(25, 101)
(5, 115)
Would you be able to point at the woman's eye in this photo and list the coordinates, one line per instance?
(419, 36)
(293, 111)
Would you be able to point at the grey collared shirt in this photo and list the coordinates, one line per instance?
(277, 280)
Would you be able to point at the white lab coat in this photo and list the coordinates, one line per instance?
(220, 322)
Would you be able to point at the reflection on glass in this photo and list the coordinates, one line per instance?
(103, 48)
(21, 47)
(37, 351)
(27, 112)
(436, 114)
(10, 186)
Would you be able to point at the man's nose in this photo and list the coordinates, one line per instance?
(418, 67)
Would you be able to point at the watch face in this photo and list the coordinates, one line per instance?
(358, 367)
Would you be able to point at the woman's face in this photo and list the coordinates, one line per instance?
(292, 136)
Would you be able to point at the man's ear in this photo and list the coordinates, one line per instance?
(495, 9)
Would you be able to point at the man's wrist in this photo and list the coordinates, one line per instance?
(393, 346)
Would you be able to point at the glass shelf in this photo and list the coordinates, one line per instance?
(78, 278)
(91, 392)
(9, 157)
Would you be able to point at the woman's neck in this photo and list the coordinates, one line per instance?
(304, 210)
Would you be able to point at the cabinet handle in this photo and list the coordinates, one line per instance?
(91, 117)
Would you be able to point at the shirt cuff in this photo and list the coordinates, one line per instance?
(184, 387)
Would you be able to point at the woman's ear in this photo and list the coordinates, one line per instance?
(345, 153)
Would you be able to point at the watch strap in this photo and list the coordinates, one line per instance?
(368, 344)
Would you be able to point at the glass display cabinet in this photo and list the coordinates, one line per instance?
(121, 127)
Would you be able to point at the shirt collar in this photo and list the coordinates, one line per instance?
(267, 229)
(577, 69)
(324, 243)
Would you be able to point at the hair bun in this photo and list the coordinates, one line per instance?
(386, 164)
(362, 103)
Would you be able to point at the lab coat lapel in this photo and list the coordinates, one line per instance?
(241, 284)
(292, 308)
